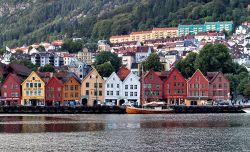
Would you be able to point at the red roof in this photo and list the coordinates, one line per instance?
(141, 32)
(165, 28)
(123, 72)
(119, 36)
(57, 43)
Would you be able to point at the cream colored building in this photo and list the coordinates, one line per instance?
(155, 33)
(93, 89)
(85, 56)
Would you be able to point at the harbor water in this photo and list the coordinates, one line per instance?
(177, 132)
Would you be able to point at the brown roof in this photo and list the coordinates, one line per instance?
(19, 69)
(123, 72)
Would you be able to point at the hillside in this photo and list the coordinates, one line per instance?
(29, 21)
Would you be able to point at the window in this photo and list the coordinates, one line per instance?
(100, 93)
(214, 93)
(59, 95)
(126, 86)
(108, 85)
(71, 95)
(35, 92)
(220, 79)
(225, 85)
(71, 87)
(76, 87)
(220, 93)
(131, 86)
(59, 89)
(118, 86)
(31, 93)
(33, 78)
(117, 93)
(87, 92)
(190, 86)
(76, 94)
(126, 94)
(95, 85)
(87, 85)
(135, 93)
(220, 86)
(100, 85)
(135, 86)
(174, 77)
(27, 93)
(111, 85)
(111, 93)
(214, 86)
(158, 86)
(31, 85)
(5, 94)
(95, 93)
(39, 92)
(131, 94)
(35, 85)
(203, 86)
(39, 85)
(66, 87)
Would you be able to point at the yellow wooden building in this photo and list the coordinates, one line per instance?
(33, 90)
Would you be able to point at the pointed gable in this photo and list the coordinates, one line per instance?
(123, 73)
(113, 77)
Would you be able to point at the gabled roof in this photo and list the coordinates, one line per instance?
(64, 77)
(123, 72)
(15, 77)
(172, 70)
(33, 72)
(113, 75)
(213, 75)
(19, 69)
(198, 70)
(54, 78)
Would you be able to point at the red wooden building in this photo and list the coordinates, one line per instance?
(219, 86)
(175, 87)
(151, 87)
(11, 90)
(197, 89)
(54, 92)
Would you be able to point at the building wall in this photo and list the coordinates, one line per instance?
(54, 90)
(90, 84)
(113, 89)
(197, 87)
(208, 26)
(175, 87)
(220, 88)
(11, 89)
(155, 33)
(129, 94)
(152, 87)
(71, 90)
(33, 88)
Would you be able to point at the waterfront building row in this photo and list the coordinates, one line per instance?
(121, 87)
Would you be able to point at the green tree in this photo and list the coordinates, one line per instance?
(113, 58)
(187, 65)
(72, 46)
(47, 68)
(214, 57)
(105, 69)
(152, 63)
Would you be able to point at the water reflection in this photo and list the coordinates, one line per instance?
(85, 123)
(39, 124)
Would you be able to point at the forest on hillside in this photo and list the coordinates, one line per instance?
(30, 21)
